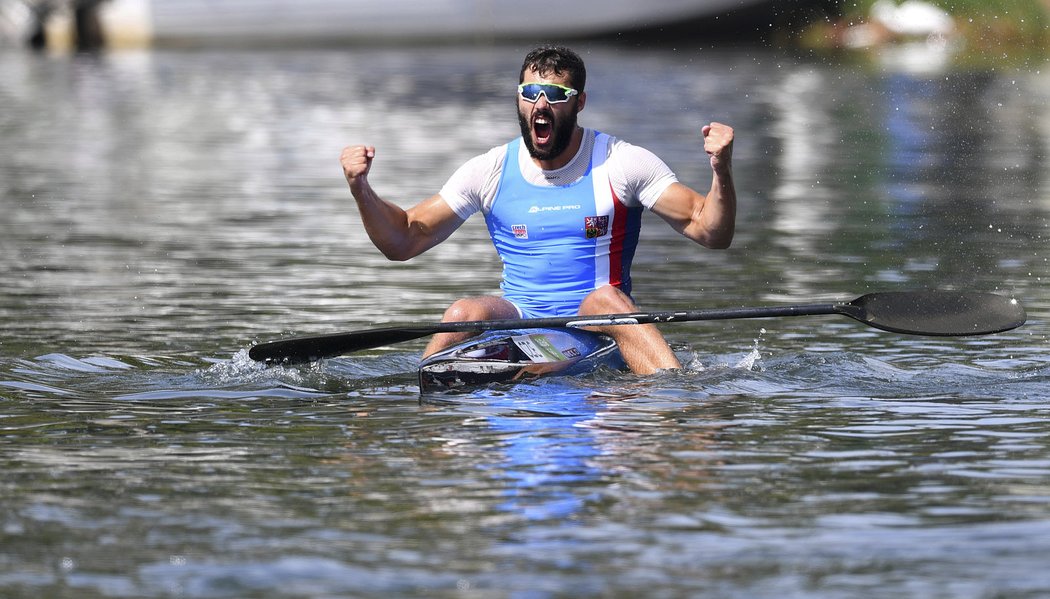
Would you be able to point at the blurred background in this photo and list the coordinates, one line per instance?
(1010, 26)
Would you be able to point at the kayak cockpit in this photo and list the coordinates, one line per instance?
(503, 356)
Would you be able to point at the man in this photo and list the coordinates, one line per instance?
(563, 205)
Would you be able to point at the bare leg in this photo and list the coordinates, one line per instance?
(468, 309)
(642, 346)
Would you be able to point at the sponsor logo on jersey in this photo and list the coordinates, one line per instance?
(520, 231)
(596, 226)
(537, 209)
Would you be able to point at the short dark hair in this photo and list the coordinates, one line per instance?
(557, 60)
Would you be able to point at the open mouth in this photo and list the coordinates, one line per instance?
(543, 128)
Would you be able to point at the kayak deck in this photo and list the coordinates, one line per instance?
(504, 356)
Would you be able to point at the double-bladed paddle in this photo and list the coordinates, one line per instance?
(937, 313)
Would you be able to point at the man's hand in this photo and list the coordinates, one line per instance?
(718, 143)
(356, 161)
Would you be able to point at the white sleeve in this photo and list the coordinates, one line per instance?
(473, 186)
(637, 176)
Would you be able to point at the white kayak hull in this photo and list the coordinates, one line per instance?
(508, 356)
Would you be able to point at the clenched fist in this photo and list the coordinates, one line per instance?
(356, 161)
(718, 143)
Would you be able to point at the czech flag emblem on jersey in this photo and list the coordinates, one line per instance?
(596, 226)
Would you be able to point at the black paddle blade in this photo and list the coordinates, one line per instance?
(936, 313)
(309, 349)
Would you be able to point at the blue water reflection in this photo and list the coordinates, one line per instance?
(541, 446)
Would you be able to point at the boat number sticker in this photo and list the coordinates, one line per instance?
(538, 348)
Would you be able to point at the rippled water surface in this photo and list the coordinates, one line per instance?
(163, 211)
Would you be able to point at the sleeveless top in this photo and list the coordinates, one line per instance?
(560, 243)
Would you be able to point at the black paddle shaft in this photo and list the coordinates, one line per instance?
(937, 313)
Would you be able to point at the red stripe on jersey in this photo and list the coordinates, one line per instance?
(619, 233)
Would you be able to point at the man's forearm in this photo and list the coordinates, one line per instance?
(385, 223)
(719, 214)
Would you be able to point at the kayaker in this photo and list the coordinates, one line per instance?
(563, 205)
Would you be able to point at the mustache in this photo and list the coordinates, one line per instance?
(545, 113)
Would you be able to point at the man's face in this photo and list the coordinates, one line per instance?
(547, 128)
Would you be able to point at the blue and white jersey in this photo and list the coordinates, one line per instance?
(559, 243)
(561, 234)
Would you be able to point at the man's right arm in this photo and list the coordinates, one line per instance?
(400, 234)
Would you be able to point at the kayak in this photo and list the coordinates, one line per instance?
(514, 355)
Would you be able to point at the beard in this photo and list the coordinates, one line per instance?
(560, 136)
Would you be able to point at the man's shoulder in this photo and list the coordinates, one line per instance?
(638, 175)
(472, 186)
(618, 144)
(622, 151)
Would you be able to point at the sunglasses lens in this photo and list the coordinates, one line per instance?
(531, 92)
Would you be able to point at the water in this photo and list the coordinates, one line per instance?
(163, 211)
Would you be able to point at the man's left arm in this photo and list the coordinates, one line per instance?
(709, 220)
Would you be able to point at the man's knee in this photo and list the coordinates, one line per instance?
(462, 310)
(607, 300)
(478, 308)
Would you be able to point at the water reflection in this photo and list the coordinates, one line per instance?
(936, 188)
(540, 450)
(805, 211)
